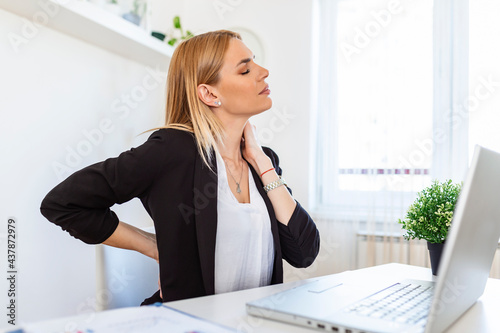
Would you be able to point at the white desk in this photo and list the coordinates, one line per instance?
(229, 309)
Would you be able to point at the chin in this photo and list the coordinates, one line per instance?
(268, 105)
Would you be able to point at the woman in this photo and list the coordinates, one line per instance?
(201, 178)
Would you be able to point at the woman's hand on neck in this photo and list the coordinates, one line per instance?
(252, 150)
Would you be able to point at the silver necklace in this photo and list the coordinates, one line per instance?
(238, 189)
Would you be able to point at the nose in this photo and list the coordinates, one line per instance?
(264, 73)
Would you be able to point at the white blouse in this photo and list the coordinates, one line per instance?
(244, 250)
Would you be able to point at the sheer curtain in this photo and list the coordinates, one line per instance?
(483, 100)
(389, 86)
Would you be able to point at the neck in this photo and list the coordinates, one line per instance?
(230, 149)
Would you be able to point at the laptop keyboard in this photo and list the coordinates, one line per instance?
(403, 303)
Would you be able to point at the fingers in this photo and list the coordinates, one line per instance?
(159, 286)
(159, 283)
(248, 127)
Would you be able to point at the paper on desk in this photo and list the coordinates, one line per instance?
(147, 319)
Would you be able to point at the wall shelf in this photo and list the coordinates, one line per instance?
(96, 26)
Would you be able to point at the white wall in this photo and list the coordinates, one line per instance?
(54, 90)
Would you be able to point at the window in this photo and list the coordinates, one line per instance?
(386, 87)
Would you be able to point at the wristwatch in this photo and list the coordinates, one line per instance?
(275, 184)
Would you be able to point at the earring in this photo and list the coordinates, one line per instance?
(218, 103)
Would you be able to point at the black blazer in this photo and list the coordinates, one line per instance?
(180, 194)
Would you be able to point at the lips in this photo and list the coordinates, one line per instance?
(265, 90)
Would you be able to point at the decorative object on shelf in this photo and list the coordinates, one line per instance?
(136, 13)
(178, 34)
(430, 217)
(158, 35)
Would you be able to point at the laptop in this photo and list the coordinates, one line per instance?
(351, 303)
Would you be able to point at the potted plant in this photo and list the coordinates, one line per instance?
(430, 217)
(178, 34)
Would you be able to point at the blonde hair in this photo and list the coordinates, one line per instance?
(196, 61)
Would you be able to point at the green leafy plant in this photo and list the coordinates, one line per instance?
(430, 215)
(183, 35)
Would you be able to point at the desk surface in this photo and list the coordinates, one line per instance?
(229, 309)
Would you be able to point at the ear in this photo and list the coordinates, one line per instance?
(208, 95)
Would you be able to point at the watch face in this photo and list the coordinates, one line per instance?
(253, 42)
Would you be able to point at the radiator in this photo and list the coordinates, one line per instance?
(379, 248)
